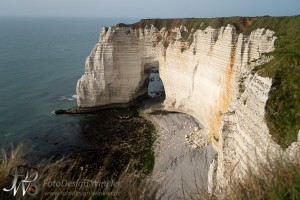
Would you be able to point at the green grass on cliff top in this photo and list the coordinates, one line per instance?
(283, 106)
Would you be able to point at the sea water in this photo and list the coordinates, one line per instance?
(41, 60)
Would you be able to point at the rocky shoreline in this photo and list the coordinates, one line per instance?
(156, 141)
(151, 138)
(96, 109)
(180, 170)
(115, 138)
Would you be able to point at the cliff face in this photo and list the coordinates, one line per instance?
(208, 77)
(198, 77)
(115, 71)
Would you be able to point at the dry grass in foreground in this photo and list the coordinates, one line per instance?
(53, 178)
(67, 179)
(277, 180)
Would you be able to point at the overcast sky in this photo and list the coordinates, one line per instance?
(146, 9)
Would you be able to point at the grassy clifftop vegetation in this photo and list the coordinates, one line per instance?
(283, 106)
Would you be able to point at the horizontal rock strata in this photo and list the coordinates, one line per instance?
(208, 76)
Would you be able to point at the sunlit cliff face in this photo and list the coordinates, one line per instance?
(198, 77)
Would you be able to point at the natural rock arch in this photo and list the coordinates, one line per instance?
(153, 85)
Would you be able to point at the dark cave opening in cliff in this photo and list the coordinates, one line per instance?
(153, 83)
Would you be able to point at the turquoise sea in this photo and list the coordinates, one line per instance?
(41, 60)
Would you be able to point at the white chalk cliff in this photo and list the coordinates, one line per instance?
(209, 78)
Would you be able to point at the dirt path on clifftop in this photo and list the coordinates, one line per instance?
(179, 169)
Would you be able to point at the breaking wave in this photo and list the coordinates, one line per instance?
(68, 98)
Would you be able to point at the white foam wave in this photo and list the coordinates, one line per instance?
(7, 134)
(68, 98)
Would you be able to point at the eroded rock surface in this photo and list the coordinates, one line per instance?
(209, 78)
